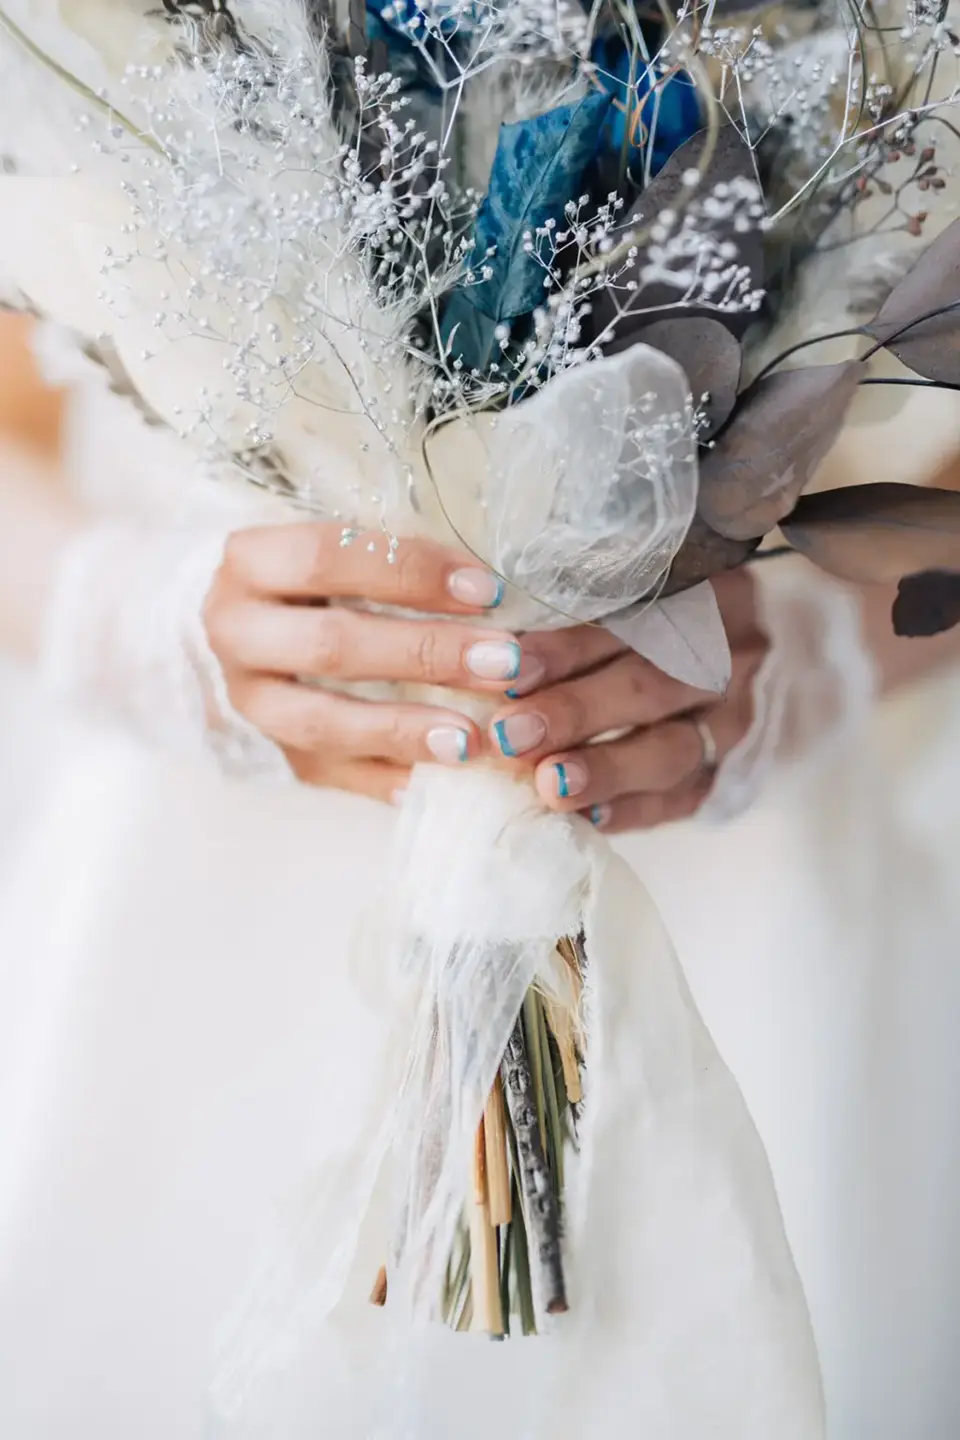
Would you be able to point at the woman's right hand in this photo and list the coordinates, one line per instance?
(273, 621)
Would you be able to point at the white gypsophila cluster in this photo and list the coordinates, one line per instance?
(925, 14)
(686, 252)
(526, 30)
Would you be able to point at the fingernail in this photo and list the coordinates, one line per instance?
(494, 660)
(476, 587)
(531, 673)
(600, 814)
(571, 778)
(448, 744)
(519, 733)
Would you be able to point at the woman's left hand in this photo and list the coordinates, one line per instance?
(666, 738)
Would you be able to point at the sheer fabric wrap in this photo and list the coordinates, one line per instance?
(687, 1315)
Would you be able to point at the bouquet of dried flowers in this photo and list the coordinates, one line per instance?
(513, 263)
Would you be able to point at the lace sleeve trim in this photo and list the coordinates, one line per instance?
(125, 637)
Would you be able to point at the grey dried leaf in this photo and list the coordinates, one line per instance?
(683, 636)
(709, 355)
(741, 7)
(357, 28)
(927, 603)
(932, 349)
(878, 533)
(732, 158)
(704, 553)
(780, 432)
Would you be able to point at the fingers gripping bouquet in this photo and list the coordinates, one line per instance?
(504, 273)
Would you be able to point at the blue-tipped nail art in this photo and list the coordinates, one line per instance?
(596, 814)
(513, 694)
(563, 784)
(501, 591)
(500, 733)
(494, 659)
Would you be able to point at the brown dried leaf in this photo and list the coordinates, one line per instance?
(781, 430)
(707, 352)
(933, 348)
(878, 533)
(732, 159)
(704, 553)
(927, 604)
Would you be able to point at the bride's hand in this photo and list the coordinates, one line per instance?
(272, 619)
(660, 766)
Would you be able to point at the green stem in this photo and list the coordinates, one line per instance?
(554, 1129)
(77, 85)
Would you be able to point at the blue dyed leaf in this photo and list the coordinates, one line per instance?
(401, 57)
(408, 18)
(538, 168)
(468, 334)
(668, 116)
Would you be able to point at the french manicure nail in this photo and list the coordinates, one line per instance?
(448, 744)
(476, 587)
(571, 778)
(494, 660)
(600, 814)
(531, 673)
(519, 733)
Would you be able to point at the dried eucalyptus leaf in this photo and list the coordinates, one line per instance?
(878, 533)
(927, 603)
(357, 28)
(710, 356)
(683, 636)
(933, 348)
(781, 430)
(732, 159)
(702, 554)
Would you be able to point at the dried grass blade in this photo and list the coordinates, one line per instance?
(498, 1170)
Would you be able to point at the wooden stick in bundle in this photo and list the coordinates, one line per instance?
(484, 1260)
(498, 1169)
(561, 1023)
(565, 1023)
(378, 1296)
